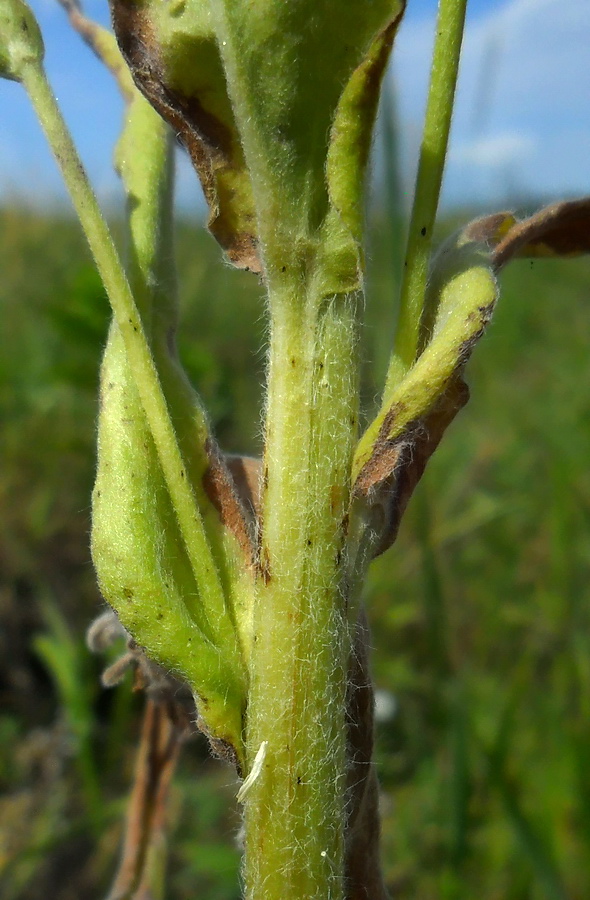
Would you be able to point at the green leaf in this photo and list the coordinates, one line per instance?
(287, 67)
(347, 157)
(142, 564)
(275, 104)
(187, 609)
(461, 296)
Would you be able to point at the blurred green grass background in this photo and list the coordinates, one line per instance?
(480, 613)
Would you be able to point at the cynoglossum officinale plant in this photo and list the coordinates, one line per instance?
(244, 578)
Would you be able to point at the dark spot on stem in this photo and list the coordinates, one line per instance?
(265, 565)
(423, 231)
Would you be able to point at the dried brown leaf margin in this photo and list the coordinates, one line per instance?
(388, 479)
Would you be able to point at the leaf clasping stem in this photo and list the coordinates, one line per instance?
(128, 320)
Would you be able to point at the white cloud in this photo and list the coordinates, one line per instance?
(513, 14)
(496, 150)
(523, 90)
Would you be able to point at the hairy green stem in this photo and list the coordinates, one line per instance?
(437, 123)
(295, 810)
(137, 347)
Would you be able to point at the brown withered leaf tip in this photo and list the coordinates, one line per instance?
(490, 229)
(209, 142)
(388, 479)
(159, 685)
(562, 229)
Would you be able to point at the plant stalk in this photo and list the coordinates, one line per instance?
(295, 810)
(439, 110)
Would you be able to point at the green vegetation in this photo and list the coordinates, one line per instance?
(480, 617)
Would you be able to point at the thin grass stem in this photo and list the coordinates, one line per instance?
(443, 79)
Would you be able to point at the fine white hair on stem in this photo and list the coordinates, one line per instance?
(253, 773)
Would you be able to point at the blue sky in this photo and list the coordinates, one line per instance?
(522, 119)
(521, 127)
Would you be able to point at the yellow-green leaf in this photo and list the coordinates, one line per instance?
(462, 291)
